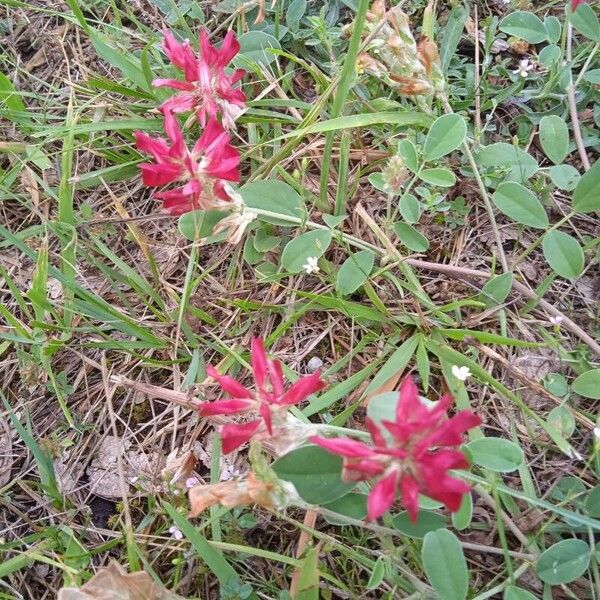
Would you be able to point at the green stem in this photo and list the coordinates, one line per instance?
(539, 240)
(586, 64)
(346, 81)
(483, 191)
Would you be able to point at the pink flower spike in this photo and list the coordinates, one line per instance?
(224, 407)
(382, 496)
(234, 435)
(228, 384)
(207, 89)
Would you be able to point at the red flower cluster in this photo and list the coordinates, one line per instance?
(423, 449)
(270, 400)
(202, 172)
(207, 89)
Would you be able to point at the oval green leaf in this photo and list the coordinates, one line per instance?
(276, 197)
(409, 153)
(553, 28)
(524, 25)
(427, 521)
(354, 272)
(564, 562)
(518, 203)
(514, 593)
(351, 505)
(445, 564)
(565, 177)
(298, 250)
(496, 454)
(592, 503)
(462, 519)
(315, 473)
(587, 193)
(410, 237)
(496, 290)
(585, 20)
(410, 209)
(199, 224)
(255, 46)
(549, 55)
(520, 164)
(563, 253)
(438, 176)
(446, 134)
(554, 137)
(588, 384)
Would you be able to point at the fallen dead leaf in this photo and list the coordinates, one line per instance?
(114, 583)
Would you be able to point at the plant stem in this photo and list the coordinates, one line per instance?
(483, 191)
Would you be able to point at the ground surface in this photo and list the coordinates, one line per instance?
(102, 298)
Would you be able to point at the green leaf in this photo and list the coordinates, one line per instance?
(585, 20)
(554, 137)
(587, 193)
(276, 197)
(351, 505)
(563, 253)
(446, 134)
(409, 153)
(520, 164)
(9, 97)
(462, 519)
(564, 177)
(524, 25)
(592, 76)
(438, 176)
(445, 564)
(377, 574)
(562, 419)
(496, 454)
(383, 407)
(294, 13)
(549, 56)
(410, 208)
(256, 46)
(518, 203)
(315, 473)
(514, 593)
(308, 581)
(588, 384)
(592, 502)
(427, 521)
(496, 290)
(553, 28)
(451, 34)
(410, 237)
(378, 182)
(564, 562)
(394, 364)
(354, 272)
(298, 250)
(200, 224)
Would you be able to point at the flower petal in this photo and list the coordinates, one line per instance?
(265, 413)
(382, 496)
(161, 174)
(303, 388)
(409, 488)
(258, 360)
(224, 407)
(156, 147)
(229, 48)
(229, 384)
(234, 435)
(174, 84)
(344, 447)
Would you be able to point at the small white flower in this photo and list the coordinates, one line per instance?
(524, 67)
(190, 482)
(311, 265)
(556, 320)
(461, 373)
(175, 533)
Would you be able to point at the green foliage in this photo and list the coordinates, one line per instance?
(563, 562)
(524, 25)
(446, 134)
(563, 253)
(354, 271)
(520, 204)
(312, 244)
(496, 454)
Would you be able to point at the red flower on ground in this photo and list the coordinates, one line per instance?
(576, 3)
(207, 89)
(203, 170)
(423, 448)
(270, 400)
